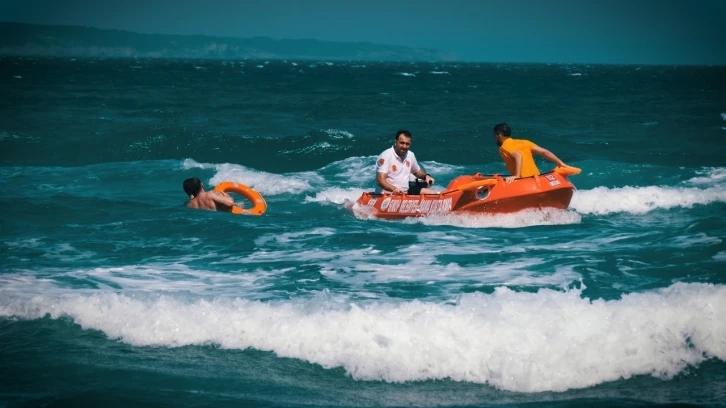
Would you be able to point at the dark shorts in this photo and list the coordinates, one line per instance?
(414, 187)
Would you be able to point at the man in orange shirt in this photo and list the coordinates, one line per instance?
(517, 154)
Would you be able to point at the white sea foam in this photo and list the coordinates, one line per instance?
(371, 267)
(360, 170)
(419, 262)
(723, 115)
(640, 200)
(436, 168)
(407, 74)
(439, 72)
(338, 134)
(265, 183)
(526, 218)
(316, 147)
(518, 341)
(335, 195)
(710, 175)
(158, 278)
(294, 237)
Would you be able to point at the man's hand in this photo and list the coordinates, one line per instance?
(397, 190)
(429, 180)
(510, 179)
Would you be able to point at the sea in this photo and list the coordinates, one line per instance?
(113, 293)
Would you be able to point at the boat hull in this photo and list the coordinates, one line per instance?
(478, 194)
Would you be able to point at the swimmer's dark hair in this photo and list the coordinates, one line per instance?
(502, 129)
(402, 132)
(192, 186)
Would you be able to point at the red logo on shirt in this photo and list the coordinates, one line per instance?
(380, 162)
(393, 167)
(408, 163)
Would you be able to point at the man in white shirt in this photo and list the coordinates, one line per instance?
(395, 165)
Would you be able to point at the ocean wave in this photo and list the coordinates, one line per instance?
(710, 175)
(265, 183)
(315, 148)
(517, 341)
(361, 170)
(439, 72)
(338, 134)
(335, 195)
(521, 219)
(407, 74)
(641, 200)
(6, 136)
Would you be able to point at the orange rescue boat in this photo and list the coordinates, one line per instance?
(483, 194)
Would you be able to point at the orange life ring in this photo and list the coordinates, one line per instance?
(259, 206)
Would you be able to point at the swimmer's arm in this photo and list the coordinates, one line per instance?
(222, 198)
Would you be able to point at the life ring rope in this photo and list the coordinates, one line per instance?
(259, 206)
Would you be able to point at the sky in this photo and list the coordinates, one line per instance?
(671, 32)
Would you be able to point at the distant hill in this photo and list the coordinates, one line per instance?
(19, 39)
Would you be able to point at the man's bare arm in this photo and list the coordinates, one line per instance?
(423, 175)
(548, 155)
(381, 180)
(222, 198)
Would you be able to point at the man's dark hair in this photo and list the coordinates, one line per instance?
(403, 132)
(502, 129)
(192, 186)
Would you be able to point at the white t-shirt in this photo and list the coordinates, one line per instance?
(397, 171)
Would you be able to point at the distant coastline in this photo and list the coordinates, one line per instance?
(21, 39)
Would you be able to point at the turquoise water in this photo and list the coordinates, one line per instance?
(112, 292)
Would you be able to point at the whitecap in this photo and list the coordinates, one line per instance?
(338, 134)
(710, 175)
(265, 183)
(335, 195)
(641, 200)
(521, 219)
(550, 340)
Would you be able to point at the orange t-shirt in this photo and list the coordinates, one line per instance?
(523, 147)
